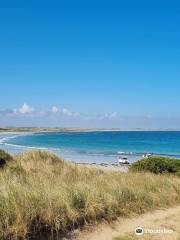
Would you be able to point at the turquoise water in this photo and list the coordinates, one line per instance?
(101, 146)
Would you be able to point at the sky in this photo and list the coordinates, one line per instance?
(90, 63)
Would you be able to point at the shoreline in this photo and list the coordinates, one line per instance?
(20, 148)
(98, 160)
(89, 157)
(105, 167)
(76, 129)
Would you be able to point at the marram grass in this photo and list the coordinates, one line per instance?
(40, 192)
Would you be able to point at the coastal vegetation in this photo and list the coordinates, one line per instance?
(157, 165)
(50, 130)
(37, 130)
(4, 158)
(41, 194)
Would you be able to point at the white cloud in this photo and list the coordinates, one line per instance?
(113, 115)
(26, 109)
(109, 116)
(76, 114)
(67, 112)
(55, 109)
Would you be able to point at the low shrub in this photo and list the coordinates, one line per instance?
(4, 158)
(157, 165)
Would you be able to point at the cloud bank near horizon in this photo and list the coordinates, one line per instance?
(27, 115)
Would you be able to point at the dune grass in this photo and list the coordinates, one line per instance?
(40, 192)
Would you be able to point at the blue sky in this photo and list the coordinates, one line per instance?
(98, 63)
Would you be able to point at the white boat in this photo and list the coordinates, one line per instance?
(123, 160)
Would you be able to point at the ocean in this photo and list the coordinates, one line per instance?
(97, 147)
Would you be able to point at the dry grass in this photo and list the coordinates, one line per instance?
(40, 192)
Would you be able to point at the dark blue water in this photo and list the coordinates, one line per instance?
(104, 146)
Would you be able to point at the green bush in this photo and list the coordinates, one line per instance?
(157, 165)
(4, 158)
